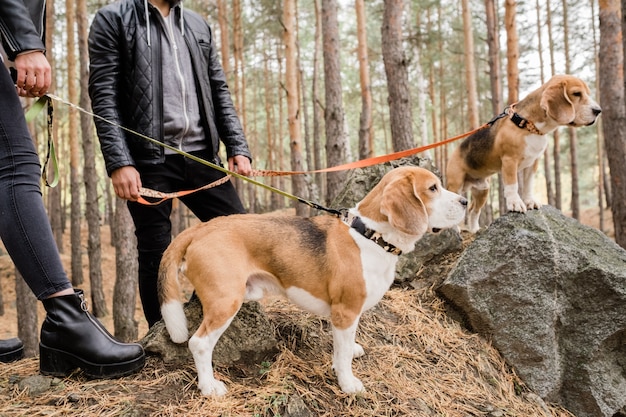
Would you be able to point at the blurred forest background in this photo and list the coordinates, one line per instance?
(320, 83)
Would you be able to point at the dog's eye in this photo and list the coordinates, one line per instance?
(577, 94)
(433, 188)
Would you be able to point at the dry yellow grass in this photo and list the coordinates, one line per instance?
(418, 362)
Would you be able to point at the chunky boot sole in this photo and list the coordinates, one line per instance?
(13, 355)
(55, 362)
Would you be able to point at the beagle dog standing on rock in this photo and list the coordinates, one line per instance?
(331, 266)
(514, 142)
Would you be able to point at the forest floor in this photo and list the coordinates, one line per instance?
(418, 362)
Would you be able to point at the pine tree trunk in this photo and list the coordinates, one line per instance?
(90, 174)
(54, 193)
(337, 151)
(125, 289)
(365, 121)
(298, 185)
(470, 66)
(27, 323)
(397, 76)
(75, 185)
(612, 95)
(318, 146)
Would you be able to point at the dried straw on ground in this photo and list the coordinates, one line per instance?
(418, 362)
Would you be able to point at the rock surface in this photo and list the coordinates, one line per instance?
(550, 294)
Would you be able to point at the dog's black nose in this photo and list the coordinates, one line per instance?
(597, 111)
(463, 201)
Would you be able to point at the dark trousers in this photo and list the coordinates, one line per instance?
(153, 227)
(24, 225)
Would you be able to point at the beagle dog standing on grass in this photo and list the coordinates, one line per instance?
(514, 142)
(331, 266)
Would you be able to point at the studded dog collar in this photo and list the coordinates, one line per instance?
(357, 224)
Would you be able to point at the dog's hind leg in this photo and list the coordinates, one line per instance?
(344, 349)
(218, 314)
(479, 199)
(202, 349)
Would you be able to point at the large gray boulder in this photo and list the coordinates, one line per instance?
(550, 294)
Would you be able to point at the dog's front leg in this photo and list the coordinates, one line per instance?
(344, 349)
(509, 178)
(527, 181)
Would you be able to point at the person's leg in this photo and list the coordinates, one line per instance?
(213, 202)
(153, 229)
(154, 233)
(24, 226)
(70, 336)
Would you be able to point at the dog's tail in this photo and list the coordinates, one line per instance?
(170, 290)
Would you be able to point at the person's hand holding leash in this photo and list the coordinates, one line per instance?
(126, 182)
(240, 164)
(34, 74)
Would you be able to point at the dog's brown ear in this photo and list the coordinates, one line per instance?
(404, 209)
(556, 103)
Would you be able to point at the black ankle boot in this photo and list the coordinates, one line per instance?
(11, 350)
(72, 338)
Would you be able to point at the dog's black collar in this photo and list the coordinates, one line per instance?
(357, 224)
(517, 120)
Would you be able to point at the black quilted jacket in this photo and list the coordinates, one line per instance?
(19, 33)
(125, 80)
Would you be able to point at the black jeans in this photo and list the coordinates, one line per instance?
(153, 227)
(24, 225)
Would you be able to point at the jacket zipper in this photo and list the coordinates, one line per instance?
(183, 87)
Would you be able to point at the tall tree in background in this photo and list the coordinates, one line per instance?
(365, 121)
(602, 182)
(293, 106)
(54, 193)
(571, 132)
(495, 79)
(396, 69)
(27, 321)
(75, 185)
(337, 151)
(547, 171)
(124, 291)
(512, 50)
(470, 66)
(612, 97)
(90, 174)
(495, 82)
(222, 21)
(556, 151)
(315, 97)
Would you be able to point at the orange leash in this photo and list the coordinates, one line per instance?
(370, 161)
(269, 173)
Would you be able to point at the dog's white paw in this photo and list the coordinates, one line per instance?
(351, 385)
(515, 204)
(532, 204)
(213, 388)
(357, 351)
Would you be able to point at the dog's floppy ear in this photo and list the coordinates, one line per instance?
(556, 103)
(404, 209)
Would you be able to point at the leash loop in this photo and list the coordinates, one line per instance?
(51, 156)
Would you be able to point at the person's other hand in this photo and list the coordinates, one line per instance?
(34, 74)
(126, 183)
(240, 164)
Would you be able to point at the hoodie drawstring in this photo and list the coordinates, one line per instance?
(145, 2)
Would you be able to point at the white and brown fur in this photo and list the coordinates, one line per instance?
(321, 264)
(513, 150)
